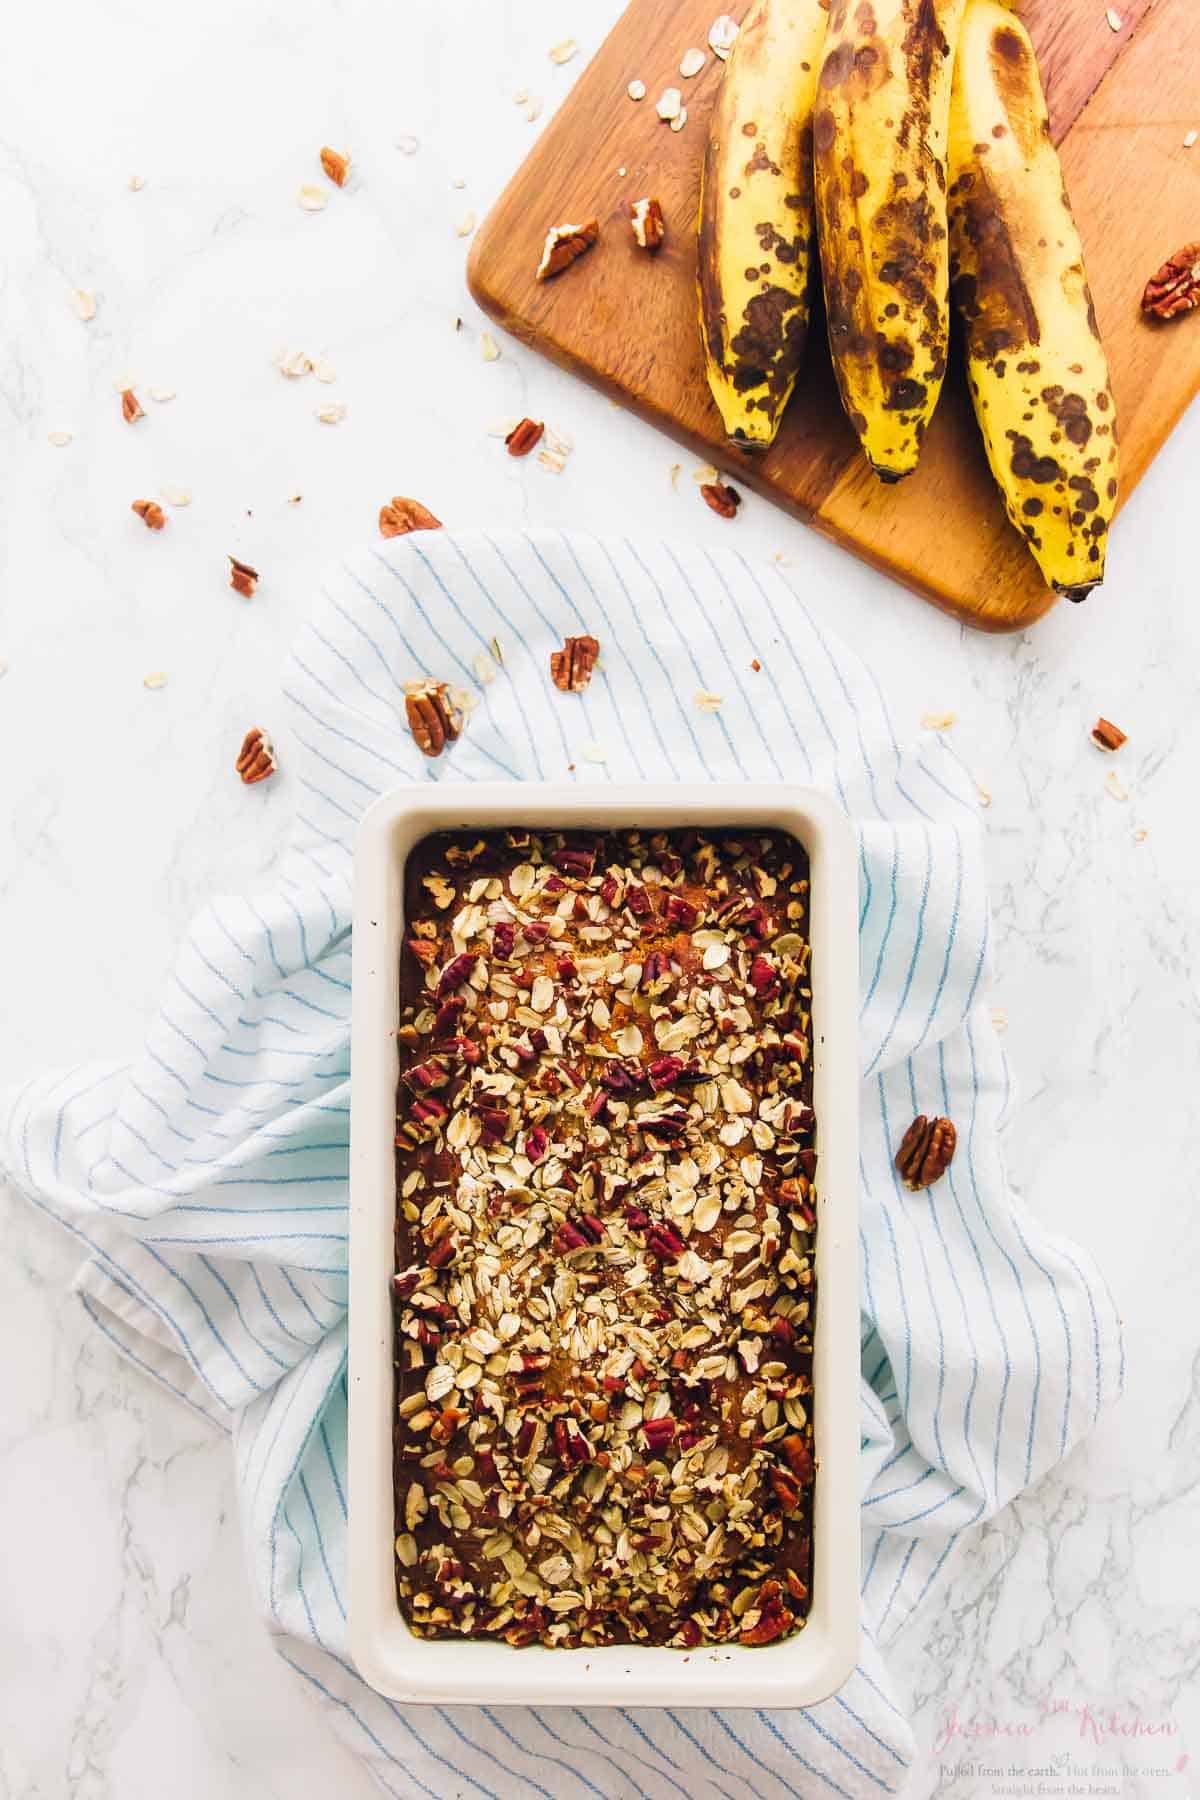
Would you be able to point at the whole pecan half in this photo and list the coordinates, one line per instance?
(1176, 287)
(1107, 735)
(926, 1151)
(522, 438)
(131, 407)
(432, 718)
(723, 499)
(150, 513)
(242, 578)
(256, 758)
(399, 516)
(335, 165)
(649, 226)
(571, 667)
(564, 244)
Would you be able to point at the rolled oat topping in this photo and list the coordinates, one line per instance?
(605, 1231)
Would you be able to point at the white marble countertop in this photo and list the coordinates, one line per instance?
(127, 1645)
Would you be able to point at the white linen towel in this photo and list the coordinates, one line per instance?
(206, 1181)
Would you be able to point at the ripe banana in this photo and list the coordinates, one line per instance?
(879, 140)
(1035, 363)
(756, 217)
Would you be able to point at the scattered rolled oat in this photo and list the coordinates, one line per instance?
(3, 668)
(999, 1019)
(594, 753)
(294, 499)
(177, 496)
(562, 53)
(335, 165)
(400, 516)
(636, 90)
(669, 103)
(1139, 836)
(564, 245)
(1191, 139)
(295, 364)
(466, 225)
(131, 409)
(675, 471)
(489, 349)
(723, 499)
(136, 183)
(524, 436)
(982, 794)
(256, 758)
(572, 667)
(333, 413)
(931, 721)
(485, 669)
(722, 36)
(708, 702)
(157, 678)
(1107, 736)
(150, 513)
(160, 395)
(242, 578)
(324, 370)
(1113, 784)
(458, 182)
(59, 438)
(1115, 21)
(497, 650)
(704, 472)
(433, 718)
(83, 303)
(312, 198)
(533, 109)
(521, 97)
(649, 227)
(691, 63)
(408, 144)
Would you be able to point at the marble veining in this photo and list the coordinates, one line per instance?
(127, 1646)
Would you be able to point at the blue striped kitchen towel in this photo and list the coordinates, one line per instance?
(206, 1181)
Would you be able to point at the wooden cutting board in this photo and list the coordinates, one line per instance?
(1121, 106)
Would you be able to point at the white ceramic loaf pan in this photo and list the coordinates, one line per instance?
(802, 1669)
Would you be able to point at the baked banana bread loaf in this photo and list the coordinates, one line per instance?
(605, 1226)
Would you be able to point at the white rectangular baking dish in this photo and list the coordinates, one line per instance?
(800, 1670)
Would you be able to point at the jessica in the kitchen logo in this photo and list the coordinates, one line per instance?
(1083, 1721)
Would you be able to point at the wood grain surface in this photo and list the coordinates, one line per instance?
(1121, 105)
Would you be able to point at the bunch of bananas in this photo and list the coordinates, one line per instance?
(910, 139)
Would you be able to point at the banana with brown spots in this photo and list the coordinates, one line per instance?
(756, 217)
(879, 138)
(1036, 367)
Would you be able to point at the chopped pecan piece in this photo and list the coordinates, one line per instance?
(926, 1151)
(1107, 735)
(723, 499)
(432, 718)
(523, 437)
(256, 758)
(564, 244)
(1176, 288)
(649, 226)
(399, 516)
(571, 667)
(335, 165)
(131, 407)
(242, 578)
(150, 513)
